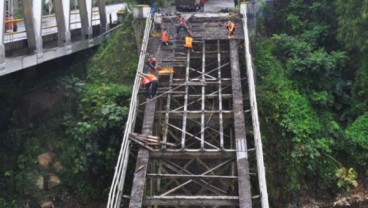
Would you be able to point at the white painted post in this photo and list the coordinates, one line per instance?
(62, 14)
(2, 32)
(37, 23)
(89, 13)
(66, 10)
(85, 11)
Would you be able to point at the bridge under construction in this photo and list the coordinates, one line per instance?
(193, 146)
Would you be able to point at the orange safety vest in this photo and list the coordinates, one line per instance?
(188, 42)
(231, 26)
(151, 77)
(165, 37)
(144, 81)
(148, 78)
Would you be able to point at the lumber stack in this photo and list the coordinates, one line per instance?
(148, 141)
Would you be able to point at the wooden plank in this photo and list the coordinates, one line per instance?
(245, 198)
(192, 200)
(191, 176)
(220, 97)
(203, 105)
(179, 154)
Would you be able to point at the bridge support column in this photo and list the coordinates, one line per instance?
(62, 12)
(2, 33)
(85, 11)
(103, 20)
(32, 12)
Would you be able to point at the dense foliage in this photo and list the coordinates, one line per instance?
(312, 92)
(79, 136)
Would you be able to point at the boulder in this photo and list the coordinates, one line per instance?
(40, 182)
(54, 180)
(44, 159)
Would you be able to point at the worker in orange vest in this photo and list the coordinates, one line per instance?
(183, 24)
(230, 28)
(165, 38)
(188, 43)
(150, 81)
(152, 64)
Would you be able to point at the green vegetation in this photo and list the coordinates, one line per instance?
(312, 96)
(67, 152)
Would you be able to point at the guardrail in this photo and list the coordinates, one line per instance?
(117, 186)
(9, 36)
(254, 111)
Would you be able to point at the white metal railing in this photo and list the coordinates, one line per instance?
(116, 189)
(47, 29)
(254, 110)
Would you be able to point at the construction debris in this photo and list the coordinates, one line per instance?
(148, 140)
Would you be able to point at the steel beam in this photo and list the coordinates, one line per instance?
(62, 14)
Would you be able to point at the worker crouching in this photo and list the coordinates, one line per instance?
(165, 38)
(150, 83)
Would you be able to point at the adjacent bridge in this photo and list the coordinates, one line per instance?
(41, 38)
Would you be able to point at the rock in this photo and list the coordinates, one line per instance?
(58, 166)
(44, 159)
(46, 204)
(54, 180)
(40, 182)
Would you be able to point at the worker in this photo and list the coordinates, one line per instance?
(201, 4)
(165, 37)
(188, 43)
(152, 64)
(230, 28)
(183, 24)
(150, 81)
(157, 18)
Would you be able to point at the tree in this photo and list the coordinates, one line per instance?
(352, 19)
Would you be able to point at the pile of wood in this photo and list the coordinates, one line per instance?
(148, 141)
